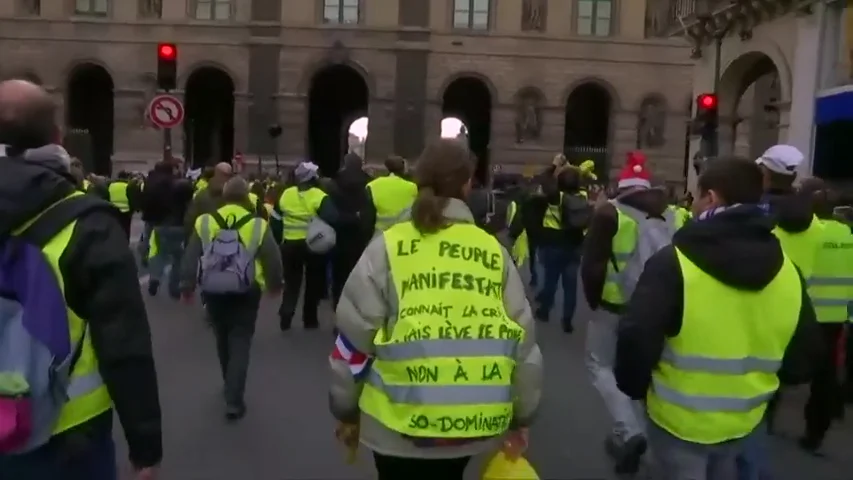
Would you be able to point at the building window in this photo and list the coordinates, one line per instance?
(96, 8)
(213, 9)
(150, 8)
(594, 17)
(471, 14)
(340, 11)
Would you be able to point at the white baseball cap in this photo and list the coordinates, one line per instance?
(781, 159)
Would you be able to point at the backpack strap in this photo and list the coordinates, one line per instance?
(59, 215)
(219, 219)
(243, 221)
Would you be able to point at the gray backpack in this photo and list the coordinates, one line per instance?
(653, 234)
(227, 264)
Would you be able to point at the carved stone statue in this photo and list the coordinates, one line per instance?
(651, 123)
(151, 8)
(527, 123)
(533, 15)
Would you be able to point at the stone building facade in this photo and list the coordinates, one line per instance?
(407, 53)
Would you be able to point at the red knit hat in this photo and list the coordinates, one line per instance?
(635, 173)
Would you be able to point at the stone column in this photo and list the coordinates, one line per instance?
(293, 118)
(242, 104)
(432, 121)
(380, 130)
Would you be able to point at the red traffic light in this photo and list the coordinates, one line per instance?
(167, 51)
(707, 101)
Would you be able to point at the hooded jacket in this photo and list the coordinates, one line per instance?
(790, 211)
(350, 196)
(736, 247)
(598, 244)
(104, 291)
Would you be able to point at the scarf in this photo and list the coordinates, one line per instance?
(742, 207)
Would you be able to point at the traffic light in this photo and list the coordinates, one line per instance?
(167, 66)
(706, 121)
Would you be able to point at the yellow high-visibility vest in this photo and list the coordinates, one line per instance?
(716, 376)
(392, 197)
(831, 282)
(118, 195)
(298, 208)
(251, 234)
(87, 395)
(444, 369)
(521, 247)
(802, 247)
(553, 217)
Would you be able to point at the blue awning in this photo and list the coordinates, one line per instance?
(834, 104)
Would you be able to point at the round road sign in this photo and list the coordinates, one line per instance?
(166, 111)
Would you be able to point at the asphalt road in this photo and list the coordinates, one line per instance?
(287, 433)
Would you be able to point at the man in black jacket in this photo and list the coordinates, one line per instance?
(731, 243)
(101, 286)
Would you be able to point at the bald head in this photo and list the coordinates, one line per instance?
(27, 115)
(223, 169)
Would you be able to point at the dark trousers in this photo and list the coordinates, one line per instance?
(560, 266)
(400, 468)
(343, 261)
(298, 261)
(233, 317)
(825, 394)
(126, 218)
(531, 261)
(78, 455)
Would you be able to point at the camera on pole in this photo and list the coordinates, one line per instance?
(167, 66)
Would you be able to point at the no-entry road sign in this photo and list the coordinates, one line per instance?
(166, 111)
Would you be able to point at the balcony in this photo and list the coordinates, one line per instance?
(700, 19)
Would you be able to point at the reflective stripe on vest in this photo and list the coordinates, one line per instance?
(251, 234)
(716, 376)
(443, 372)
(298, 209)
(831, 283)
(392, 197)
(87, 395)
(118, 195)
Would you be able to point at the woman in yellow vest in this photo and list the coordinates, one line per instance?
(716, 322)
(438, 306)
(297, 207)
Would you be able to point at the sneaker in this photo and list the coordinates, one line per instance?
(810, 444)
(630, 455)
(235, 412)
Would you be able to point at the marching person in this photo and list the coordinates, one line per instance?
(718, 320)
(232, 297)
(438, 295)
(297, 207)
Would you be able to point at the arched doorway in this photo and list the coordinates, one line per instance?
(750, 93)
(209, 119)
(586, 132)
(89, 111)
(469, 100)
(337, 97)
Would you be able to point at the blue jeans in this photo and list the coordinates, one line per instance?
(170, 249)
(142, 247)
(67, 457)
(681, 460)
(559, 265)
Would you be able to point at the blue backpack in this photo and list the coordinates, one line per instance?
(36, 354)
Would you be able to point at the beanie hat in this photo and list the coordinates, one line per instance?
(634, 173)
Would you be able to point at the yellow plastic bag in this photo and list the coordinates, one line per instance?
(502, 468)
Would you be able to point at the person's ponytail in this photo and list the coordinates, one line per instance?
(428, 211)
